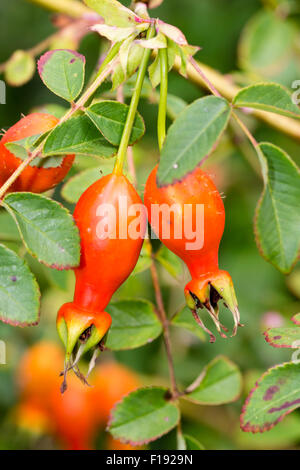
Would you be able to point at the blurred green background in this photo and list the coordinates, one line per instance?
(217, 26)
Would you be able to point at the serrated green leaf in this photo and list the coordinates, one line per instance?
(184, 319)
(124, 52)
(110, 116)
(143, 416)
(283, 337)
(284, 435)
(192, 137)
(80, 136)
(63, 71)
(154, 72)
(19, 69)
(270, 97)
(22, 148)
(134, 323)
(221, 382)
(19, 291)
(75, 186)
(16, 149)
(113, 12)
(277, 219)
(276, 394)
(47, 229)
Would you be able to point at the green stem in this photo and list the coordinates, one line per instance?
(245, 130)
(133, 107)
(111, 55)
(113, 51)
(162, 111)
(181, 444)
(164, 320)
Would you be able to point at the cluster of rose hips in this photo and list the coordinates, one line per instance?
(107, 262)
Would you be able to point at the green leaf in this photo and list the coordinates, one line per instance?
(283, 436)
(19, 69)
(143, 416)
(175, 105)
(267, 43)
(62, 71)
(276, 394)
(17, 149)
(134, 323)
(47, 229)
(135, 56)
(192, 137)
(154, 68)
(184, 319)
(144, 261)
(157, 42)
(78, 135)
(110, 116)
(192, 443)
(268, 97)
(113, 12)
(221, 382)
(75, 186)
(277, 218)
(22, 148)
(8, 229)
(19, 291)
(169, 261)
(283, 337)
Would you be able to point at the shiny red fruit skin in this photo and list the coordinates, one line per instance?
(105, 263)
(34, 179)
(195, 188)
